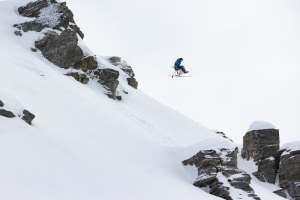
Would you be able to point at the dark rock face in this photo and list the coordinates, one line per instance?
(109, 79)
(289, 173)
(263, 146)
(87, 63)
(7, 113)
(116, 61)
(28, 116)
(61, 49)
(32, 9)
(82, 78)
(60, 46)
(61, 16)
(209, 163)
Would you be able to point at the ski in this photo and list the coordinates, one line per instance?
(183, 75)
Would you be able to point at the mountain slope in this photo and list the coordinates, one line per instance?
(82, 145)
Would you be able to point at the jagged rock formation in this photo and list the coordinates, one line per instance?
(210, 163)
(116, 61)
(289, 172)
(26, 115)
(109, 79)
(263, 146)
(60, 45)
(61, 49)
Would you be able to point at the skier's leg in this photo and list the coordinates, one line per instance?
(183, 69)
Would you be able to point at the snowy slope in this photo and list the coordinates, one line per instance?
(83, 145)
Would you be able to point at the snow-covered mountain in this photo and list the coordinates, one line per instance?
(84, 145)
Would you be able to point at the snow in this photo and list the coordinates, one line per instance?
(83, 145)
(260, 125)
(49, 16)
(290, 147)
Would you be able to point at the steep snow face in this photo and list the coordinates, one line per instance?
(81, 144)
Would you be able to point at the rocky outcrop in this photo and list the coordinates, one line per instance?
(109, 79)
(262, 146)
(26, 115)
(61, 49)
(116, 61)
(47, 14)
(289, 172)
(60, 43)
(212, 164)
(60, 46)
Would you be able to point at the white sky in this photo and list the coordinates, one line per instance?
(244, 56)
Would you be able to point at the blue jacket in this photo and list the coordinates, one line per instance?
(177, 63)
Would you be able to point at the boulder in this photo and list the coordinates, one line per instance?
(289, 171)
(262, 145)
(28, 116)
(1, 104)
(7, 113)
(117, 61)
(61, 49)
(210, 163)
(109, 79)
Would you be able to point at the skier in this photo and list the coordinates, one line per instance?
(178, 66)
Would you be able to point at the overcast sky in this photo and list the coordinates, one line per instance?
(243, 56)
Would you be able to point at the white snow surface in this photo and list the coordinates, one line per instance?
(260, 125)
(291, 146)
(49, 16)
(83, 145)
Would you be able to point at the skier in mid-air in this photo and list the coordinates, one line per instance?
(178, 66)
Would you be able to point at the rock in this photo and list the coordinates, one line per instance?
(61, 17)
(223, 135)
(28, 116)
(117, 61)
(61, 49)
(87, 63)
(289, 171)
(281, 193)
(32, 9)
(6, 113)
(210, 163)
(1, 104)
(262, 145)
(109, 79)
(132, 82)
(82, 78)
